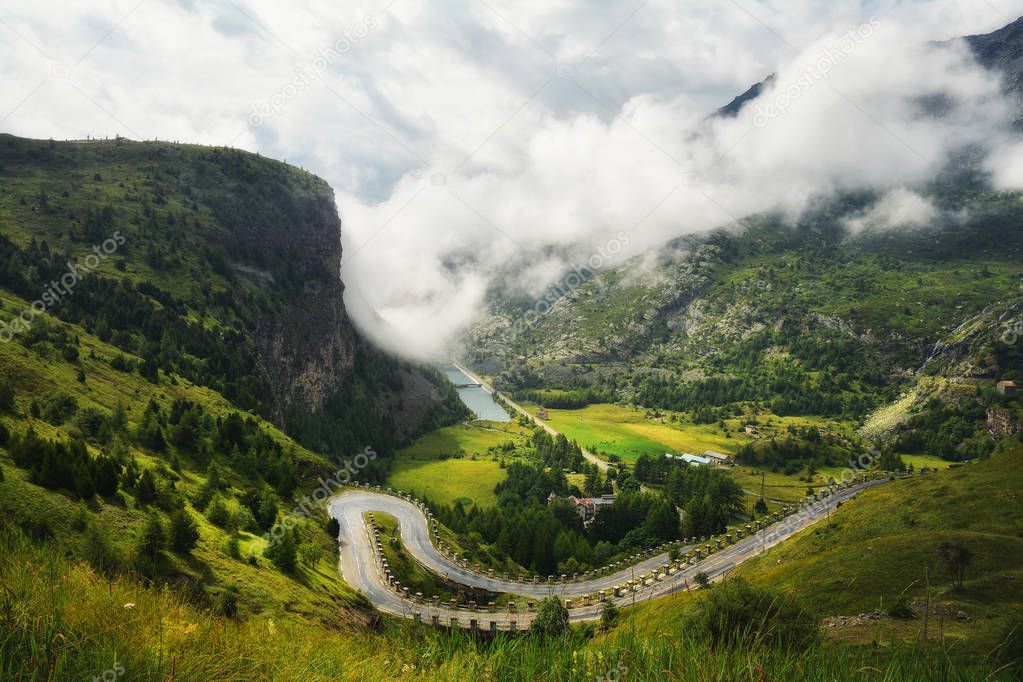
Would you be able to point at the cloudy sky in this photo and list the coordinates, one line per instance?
(466, 137)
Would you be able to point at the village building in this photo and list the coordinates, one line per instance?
(1007, 387)
(717, 457)
(586, 507)
(541, 413)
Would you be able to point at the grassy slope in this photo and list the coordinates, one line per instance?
(879, 545)
(65, 622)
(37, 371)
(920, 297)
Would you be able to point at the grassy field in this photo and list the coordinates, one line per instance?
(458, 462)
(779, 489)
(448, 480)
(628, 433)
(476, 438)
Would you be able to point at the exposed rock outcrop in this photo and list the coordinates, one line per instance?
(307, 350)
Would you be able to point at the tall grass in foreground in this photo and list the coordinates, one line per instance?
(59, 620)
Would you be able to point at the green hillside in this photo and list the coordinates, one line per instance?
(142, 425)
(873, 553)
(881, 549)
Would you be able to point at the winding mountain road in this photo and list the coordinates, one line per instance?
(654, 577)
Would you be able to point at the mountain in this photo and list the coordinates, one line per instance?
(818, 318)
(1002, 51)
(733, 108)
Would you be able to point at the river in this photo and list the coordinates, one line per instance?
(475, 397)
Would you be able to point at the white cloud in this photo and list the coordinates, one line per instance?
(459, 154)
(898, 208)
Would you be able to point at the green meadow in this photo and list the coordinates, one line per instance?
(627, 433)
(458, 463)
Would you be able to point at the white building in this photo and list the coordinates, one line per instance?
(689, 458)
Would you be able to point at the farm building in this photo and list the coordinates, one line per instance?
(694, 460)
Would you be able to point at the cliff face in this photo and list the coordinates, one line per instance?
(307, 349)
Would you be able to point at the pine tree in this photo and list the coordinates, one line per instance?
(184, 534)
(108, 474)
(6, 396)
(284, 552)
(145, 490)
(153, 539)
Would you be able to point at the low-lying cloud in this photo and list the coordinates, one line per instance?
(854, 110)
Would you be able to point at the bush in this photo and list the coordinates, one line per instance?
(551, 618)
(59, 408)
(739, 613)
(226, 603)
(234, 549)
(218, 513)
(153, 539)
(37, 527)
(608, 615)
(901, 609)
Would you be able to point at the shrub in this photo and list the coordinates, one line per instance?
(283, 552)
(608, 615)
(37, 527)
(226, 603)
(901, 609)
(218, 513)
(551, 618)
(59, 408)
(739, 613)
(153, 539)
(234, 547)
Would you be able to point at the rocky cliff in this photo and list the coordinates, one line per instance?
(307, 349)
